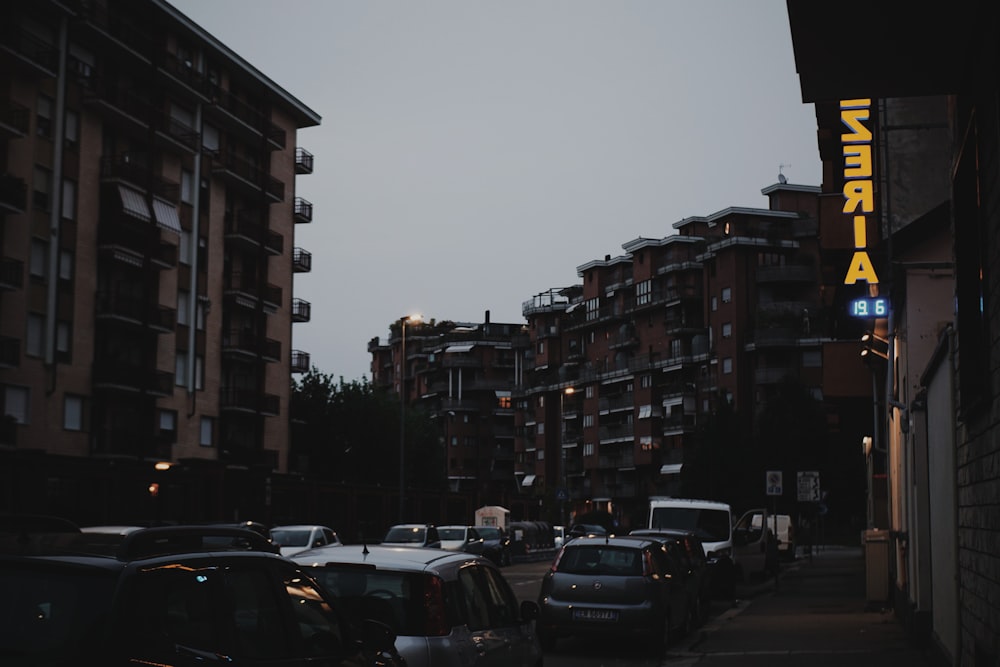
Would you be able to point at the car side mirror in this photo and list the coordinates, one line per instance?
(529, 610)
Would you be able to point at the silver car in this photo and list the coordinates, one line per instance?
(627, 587)
(447, 609)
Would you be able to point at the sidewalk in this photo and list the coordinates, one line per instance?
(816, 615)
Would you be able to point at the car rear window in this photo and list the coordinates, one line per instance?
(48, 615)
(291, 538)
(409, 535)
(601, 559)
(451, 533)
(709, 525)
(397, 599)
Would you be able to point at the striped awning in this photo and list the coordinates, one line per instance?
(166, 216)
(134, 204)
(528, 480)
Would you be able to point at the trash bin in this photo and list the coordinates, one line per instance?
(876, 543)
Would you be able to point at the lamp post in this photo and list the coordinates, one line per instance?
(563, 491)
(402, 409)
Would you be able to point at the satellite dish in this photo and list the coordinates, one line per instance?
(781, 178)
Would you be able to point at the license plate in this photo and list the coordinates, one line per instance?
(606, 615)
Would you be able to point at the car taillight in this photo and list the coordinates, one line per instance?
(436, 624)
(647, 564)
(555, 561)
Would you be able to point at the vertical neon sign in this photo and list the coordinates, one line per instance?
(859, 196)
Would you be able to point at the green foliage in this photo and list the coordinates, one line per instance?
(349, 432)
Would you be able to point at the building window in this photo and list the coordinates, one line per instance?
(183, 304)
(42, 185)
(43, 117)
(72, 413)
(207, 428)
(727, 294)
(39, 260)
(184, 249)
(210, 138)
(63, 338)
(644, 292)
(69, 200)
(72, 135)
(593, 306)
(540, 455)
(541, 347)
(187, 186)
(589, 391)
(199, 372)
(200, 313)
(646, 381)
(588, 421)
(454, 441)
(180, 369)
(727, 365)
(645, 411)
(35, 338)
(16, 401)
(541, 428)
(676, 348)
(715, 303)
(588, 449)
(727, 330)
(812, 359)
(503, 402)
(168, 425)
(65, 265)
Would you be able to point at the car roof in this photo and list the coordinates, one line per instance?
(635, 541)
(688, 502)
(302, 526)
(456, 525)
(412, 559)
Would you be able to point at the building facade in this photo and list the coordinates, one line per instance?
(912, 120)
(147, 234)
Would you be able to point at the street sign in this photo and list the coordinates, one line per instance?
(808, 486)
(774, 483)
(562, 494)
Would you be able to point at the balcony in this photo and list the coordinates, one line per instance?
(303, 161)
(178, 133)
(801, 273)
(14, 120)
(134, 168)
(301, 261)
(182, 74)
(10, 352)
(623, 402)
(33, 55)
(775, 375)
(301, 310)
(128, 241)
(249, 227)
(245, 289)
(119, 28)
(300, 362)
(248, 117)
(13, 194)
(303, 210)
(251, 345)
(616, 432)
(117, 100)
(136, 311)
(122, 377)
(246, 175)
(11, 273)
(233, 399)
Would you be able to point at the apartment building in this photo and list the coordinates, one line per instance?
(461, 375)
(623, 371)
(148, 210)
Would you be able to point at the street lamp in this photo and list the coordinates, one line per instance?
(568, 391)
(402, 408)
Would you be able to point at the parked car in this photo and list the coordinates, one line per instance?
(293, 539)
(712, 522)
(182, 596)
(687, 549)
(496, 544)
(584, 529)
(754, 546)
(461, 538)
(446, 609)
(412, 535)
(627, 586)
(783, 530)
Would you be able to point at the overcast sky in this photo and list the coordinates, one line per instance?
(473, 153)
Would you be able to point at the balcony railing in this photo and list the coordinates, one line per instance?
(303, 210)
(301, 310)
(616, 431)
(248, 343)
(13, 193)
(236, 281)
(300, 362)
(250, 226)
(249, 400)
(245, 173)
(11, 273)
(303, 161)
(136, 310)
(40, 55)
(114, 375)
(14, 119)
(250, 116)
(10, 352)
(124, 101)
(301, 261)
(134, 168)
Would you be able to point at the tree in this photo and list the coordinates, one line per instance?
(349, 432)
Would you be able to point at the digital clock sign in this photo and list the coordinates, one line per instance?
(872, 306)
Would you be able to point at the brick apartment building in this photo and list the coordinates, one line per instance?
(147, 233)
(622, 371)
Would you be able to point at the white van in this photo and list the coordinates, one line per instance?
(712, 521)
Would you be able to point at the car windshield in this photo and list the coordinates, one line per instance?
(49, 616)
(488, 533)
(601, 559)
(291, 538)
(709, 525)
(405, 534)
(451, 533)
